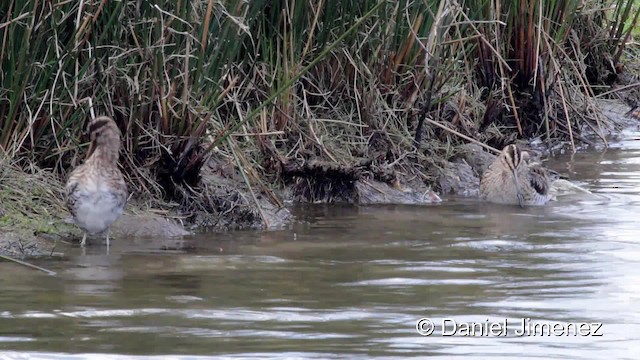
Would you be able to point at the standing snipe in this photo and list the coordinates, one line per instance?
(513, 179)
(96, 191)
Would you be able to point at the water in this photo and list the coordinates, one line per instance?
(348, 281)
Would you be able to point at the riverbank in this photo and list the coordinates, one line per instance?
(34, 221)
(229, 111)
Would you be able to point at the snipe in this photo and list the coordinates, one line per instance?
(514, 179)
(96, 190)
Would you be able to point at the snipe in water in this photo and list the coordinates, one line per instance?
(96, 190)
(514, 179)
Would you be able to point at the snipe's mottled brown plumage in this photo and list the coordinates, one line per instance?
(514, 179)
(96, 190)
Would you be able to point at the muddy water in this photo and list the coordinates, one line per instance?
(348, 281)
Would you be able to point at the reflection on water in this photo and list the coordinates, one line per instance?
(353, 281)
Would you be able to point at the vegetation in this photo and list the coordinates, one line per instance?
(275, 87)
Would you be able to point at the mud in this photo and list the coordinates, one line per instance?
(461, 176)
(24, 242)
(227, 202)
(20, 246)
(147, 225)
(375, 192)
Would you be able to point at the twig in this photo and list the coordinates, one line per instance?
(566, 114)
(342, 122)
(587, 89)
(19, 17)
(374, 187)
(423, 115)
(460, 40)
(463, 136)
(91, 110)
(514, 107)
(260, 133)
(313, 27)
(431, 75)
(246, 180)
(618, 89)
(24, 263)
(475, 29)
(313, 132)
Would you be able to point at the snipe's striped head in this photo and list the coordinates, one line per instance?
(516, 161)
(104, 133)
(512, 157)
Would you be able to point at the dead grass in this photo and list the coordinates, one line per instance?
(293, 93)
(30, 196)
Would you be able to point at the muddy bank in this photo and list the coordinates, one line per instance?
(34, 221)
(29, 239)
(229, 203)
(361, 183)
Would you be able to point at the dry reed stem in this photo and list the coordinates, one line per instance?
(471, 23)
(24, 263)
(621, 88)
(566, 114)
(463, 136)
(243, 172)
